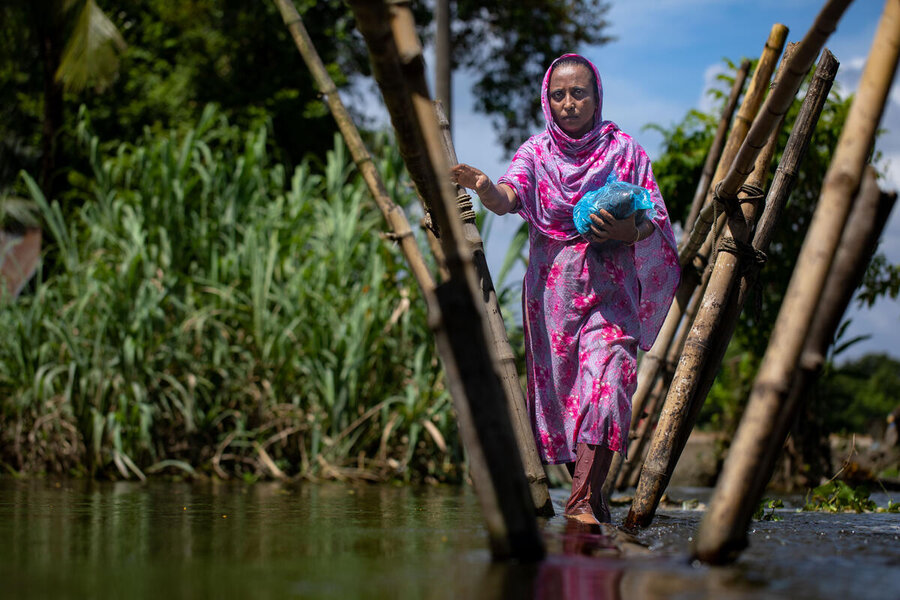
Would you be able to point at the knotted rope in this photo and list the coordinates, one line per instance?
(464, 204)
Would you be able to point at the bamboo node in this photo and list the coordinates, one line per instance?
(396, 236)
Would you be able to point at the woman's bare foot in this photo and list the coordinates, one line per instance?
(587, 518)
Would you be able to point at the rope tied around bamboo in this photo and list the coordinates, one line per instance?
(751, 193)
(466, 209)
(750, 257)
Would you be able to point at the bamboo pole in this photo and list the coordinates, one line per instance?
(656, 368)
(777, 104)
(534, 470)
(782, 185)
(393, 214)
(674, 424)
(443, 87)
(458, 319)
(715, 150)
(859, 240)
(753, 100)
(779, 192)
(723, 530)
(651, 363)
(671, 362)
(858, 244)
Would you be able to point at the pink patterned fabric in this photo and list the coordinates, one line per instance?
(587, 308)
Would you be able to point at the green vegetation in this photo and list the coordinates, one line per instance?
(857, 396)
(837, 496)
(209, 310)
(770, 505)
(180, 56)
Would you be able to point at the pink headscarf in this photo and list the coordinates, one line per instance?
(552, 171)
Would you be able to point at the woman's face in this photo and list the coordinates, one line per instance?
(572, 99)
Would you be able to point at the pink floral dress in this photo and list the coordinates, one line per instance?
(587, 307)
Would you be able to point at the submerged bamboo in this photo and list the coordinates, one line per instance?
(458, 319)
(534, 470)
(715, 150)
(393, 214)
(722, 533)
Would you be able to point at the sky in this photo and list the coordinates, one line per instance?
(666, 55)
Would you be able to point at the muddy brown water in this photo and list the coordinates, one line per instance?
(163, 540)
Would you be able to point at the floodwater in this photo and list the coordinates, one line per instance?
(164, 540)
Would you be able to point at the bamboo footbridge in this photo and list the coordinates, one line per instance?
(727, 234)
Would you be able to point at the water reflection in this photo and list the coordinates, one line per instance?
(122, 540)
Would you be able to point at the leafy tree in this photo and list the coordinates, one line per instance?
(510, 43)
(71, 43)
(183, 55)
(857, 396)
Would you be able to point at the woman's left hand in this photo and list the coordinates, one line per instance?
(606, 227)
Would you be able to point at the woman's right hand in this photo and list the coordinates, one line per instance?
(499, 199)
(472, 178)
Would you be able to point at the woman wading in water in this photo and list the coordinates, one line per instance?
(589, 302)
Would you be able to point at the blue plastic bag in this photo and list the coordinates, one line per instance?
(621, 199)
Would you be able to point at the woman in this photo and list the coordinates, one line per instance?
(589, 302)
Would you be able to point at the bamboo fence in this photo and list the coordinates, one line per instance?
(682, 404)
(714, 347)
(654, 362)
(722, 533)
(534, 470)
(458, 318)
(674, 423)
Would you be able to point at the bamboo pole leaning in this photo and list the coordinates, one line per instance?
(630, 477)
(653, 361)
(458, 318)
(869, 215)
(656, 368)
(674, 424)
(776, 105)
(534, 470)
(753, 101)
(715, 149)
(393, 214)
(722, 532)
(686, 411)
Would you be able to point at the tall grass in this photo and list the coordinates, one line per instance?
(208, 311)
